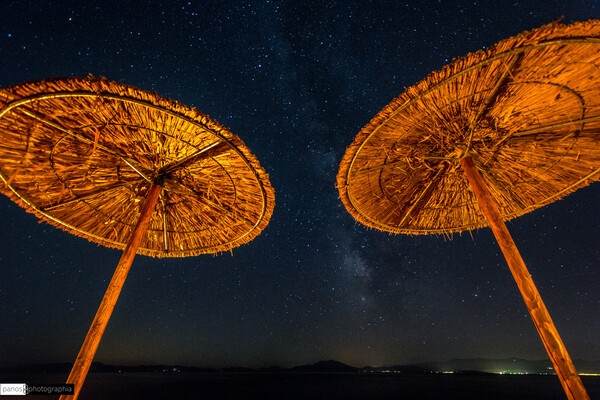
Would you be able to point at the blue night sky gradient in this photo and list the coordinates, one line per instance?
(296, 82)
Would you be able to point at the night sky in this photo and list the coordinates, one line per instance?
(296, 83)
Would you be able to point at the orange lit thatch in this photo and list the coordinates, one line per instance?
(527, 111)
(81, 154)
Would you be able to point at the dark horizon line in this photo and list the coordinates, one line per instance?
(543, 365)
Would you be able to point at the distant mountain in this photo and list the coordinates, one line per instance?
(466, 366)
(325, 366)
(505, 366)
(485, 366)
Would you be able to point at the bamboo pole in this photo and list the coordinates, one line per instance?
(92, 340)
(556, 349)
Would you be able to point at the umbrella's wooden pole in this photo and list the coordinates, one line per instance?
(92, 340)
(541, 318)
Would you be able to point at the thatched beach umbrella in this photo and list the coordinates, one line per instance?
(491, 136)
(131, 170)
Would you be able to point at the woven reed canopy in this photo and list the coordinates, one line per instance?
(127, 169)
(81, 154)
(527, 111)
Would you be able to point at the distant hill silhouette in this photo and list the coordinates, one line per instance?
(507, 365)
(465, 366)
(325, 366)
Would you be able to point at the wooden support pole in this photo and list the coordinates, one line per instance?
(92, 340)
(557, 351)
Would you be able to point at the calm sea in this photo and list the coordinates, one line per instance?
(310, 386)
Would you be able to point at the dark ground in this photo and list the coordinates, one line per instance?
(291, 386)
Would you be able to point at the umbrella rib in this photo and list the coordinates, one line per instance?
(189, 159)
(83, 197)
(488, 101)
(197, 195)
(83, 138)
(391, 164)
(557, 125)
(212, 203)
(378, 167)
(136, 170)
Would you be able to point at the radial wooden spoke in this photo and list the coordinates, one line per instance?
(556, 125)
(99, 190)
(378, 167)
(491, 96)
(205, 152)
(140, 173)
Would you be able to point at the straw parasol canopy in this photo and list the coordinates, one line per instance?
(491, 136)
(127, 169)
(81, 154)
(527, 111)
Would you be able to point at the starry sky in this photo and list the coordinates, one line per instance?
(296, 82)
